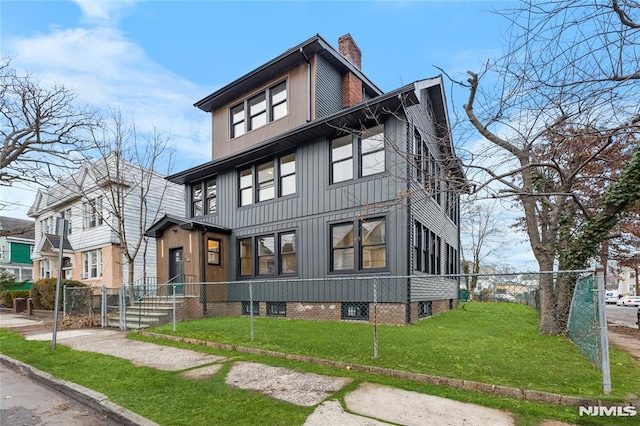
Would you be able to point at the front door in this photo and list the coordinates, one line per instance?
(176, 270)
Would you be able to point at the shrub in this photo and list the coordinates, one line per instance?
(6, 280)
(6, 297)
(43, 292)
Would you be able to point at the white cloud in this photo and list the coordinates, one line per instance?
(107, 70)
(105, 12)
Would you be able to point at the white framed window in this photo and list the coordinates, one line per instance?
(45, 268)
(92, 264)
(93, 213)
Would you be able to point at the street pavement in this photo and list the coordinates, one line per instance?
(23, 401)
(369, 404)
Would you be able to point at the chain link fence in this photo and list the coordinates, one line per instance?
(374, 300)
(587, 326)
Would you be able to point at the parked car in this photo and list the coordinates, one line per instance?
(503, 297)
(629, 301)
(611, 296)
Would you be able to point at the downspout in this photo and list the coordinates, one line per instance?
(409, 224)
(203, 291)
(308, 84)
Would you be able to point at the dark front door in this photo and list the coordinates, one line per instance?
(176, 270)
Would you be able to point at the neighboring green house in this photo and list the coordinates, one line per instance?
(16, 248)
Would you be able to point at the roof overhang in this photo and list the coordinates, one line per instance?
(167, 221)
(279, 65)
(356, 117)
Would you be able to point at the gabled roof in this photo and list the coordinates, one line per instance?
(157, 229)
(25, 228)
(53, 241)
(349, 118)
(277, 66)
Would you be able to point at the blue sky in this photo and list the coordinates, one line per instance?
(154, 59)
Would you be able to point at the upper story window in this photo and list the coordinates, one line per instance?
(265, 181)
(288, 175)
(67, 215)
(204, 198)
(48, 225)
(358, 155)
(93, 213)
(265, 107)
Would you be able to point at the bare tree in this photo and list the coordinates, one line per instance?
(127, 176)
(570, 73)
(43, 129)
(482, 226)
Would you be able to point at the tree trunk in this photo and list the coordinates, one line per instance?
(548, 299)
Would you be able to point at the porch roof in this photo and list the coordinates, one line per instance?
(157, 229)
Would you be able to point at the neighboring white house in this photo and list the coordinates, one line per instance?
(628, 281)
(95, 201)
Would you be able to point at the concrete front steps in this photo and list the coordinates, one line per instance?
(146, 313)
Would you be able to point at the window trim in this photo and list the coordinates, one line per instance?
(277, 179)
(357, 246)
(258, 256)
(357, 154)
(87, 264)
(277, 256)
(281, 253)
(240, 257)
(219, 252)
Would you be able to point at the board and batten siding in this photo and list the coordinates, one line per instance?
(316, 205)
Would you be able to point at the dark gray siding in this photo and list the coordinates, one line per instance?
(432, 215)
(316, 205)
(328, 88)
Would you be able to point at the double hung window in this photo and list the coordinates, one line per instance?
(92, 264)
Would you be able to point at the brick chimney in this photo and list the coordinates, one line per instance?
(351, 85)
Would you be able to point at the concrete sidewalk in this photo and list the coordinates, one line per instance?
(369, 404)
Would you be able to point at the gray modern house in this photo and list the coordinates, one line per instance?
(318, 181)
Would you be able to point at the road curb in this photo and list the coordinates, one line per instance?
(86, 396)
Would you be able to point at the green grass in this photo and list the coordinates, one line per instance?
(494, 343)
(498, 342)
(161, 396)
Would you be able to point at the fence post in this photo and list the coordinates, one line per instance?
(103, 306)
(604, 338)
(123, 307)
(64, 300)
(375, 317)
(251, 309)
(174, 306)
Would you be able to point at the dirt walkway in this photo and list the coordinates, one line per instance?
(625, 338)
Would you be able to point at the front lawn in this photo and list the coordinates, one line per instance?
(495, 343)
